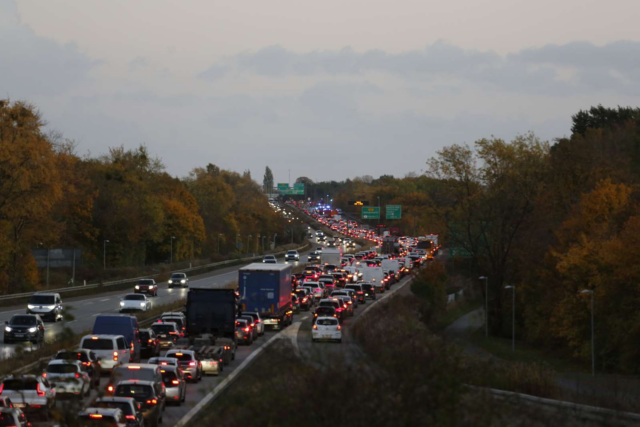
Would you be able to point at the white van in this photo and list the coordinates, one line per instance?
(111, 349)
(375, 276)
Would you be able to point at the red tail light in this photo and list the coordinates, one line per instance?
(192, 363)
(110, 389)
(339, 327)
(130, 417)
(77, 375)
(150, 341)
(97, 416)
(115, 356)
(173, 333)
(175, 382)
(40, 392)
(86, 363)
(1, 387)
(44, 375)
(152, 402)
(258, 321)
(315, 327)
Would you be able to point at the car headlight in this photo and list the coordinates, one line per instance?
(142, 304)
(29, 306)
(137, 287)
(183, 281)
(32, 329)
(170, 281)
(7, 329)
(121, 303)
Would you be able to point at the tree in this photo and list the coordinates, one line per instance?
(304, 180)
(600, 117)
(267, 181)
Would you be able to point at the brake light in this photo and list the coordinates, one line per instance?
(130, 417)
(77, 375)
(178, 354)
(95, 416)
(192, 363)
(115, 356)
(150, 341)
(339, 327)
(258, 321)
(110, 389)
(1, 387)
(44, 375)
(173, 333)
(40, 392)
(360, 292)
(163, 363)
(246, 329)
(152, 402)
(86, 363)
(175, 382)
(94, 338)
(133, 367)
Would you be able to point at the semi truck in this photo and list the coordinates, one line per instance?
(266, 289)
(211, 314)
(331, 256)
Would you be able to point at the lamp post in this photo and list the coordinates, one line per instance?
(104, 254)
(486, 304)
(593, 335)
(171, 253)
(513, 317)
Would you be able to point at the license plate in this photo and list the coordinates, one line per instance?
(326, 336)
(19, 405)
(19, 335)
(162, 336)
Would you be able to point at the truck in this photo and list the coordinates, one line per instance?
(211, 314)
(266, 289)
(214, 357)
(331, 256)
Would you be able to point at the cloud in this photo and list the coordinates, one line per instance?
(34, 65)
(534, 70)
(138, 62)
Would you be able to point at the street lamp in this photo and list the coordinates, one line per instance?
(171, 256)
(593, 336)
(513, 317)
(486, 305)
(104, 254)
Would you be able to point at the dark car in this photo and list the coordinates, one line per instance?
(150, 397)
(147, 286)
(149, 343)
(243, 332)
(305, 301)
(24, 327)
(295, 303)
(131, 409)
(369, 291)
(89, 361)
(359, 290)
(324, 311)
(313, 256)
(252, 325)
(341, 279)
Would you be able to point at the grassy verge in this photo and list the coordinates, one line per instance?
(68, 339)
(457, 311)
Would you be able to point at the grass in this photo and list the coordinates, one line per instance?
(526, 353)
(457, 311)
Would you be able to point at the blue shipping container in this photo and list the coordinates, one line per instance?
(265, 288)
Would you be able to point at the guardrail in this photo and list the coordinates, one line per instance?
(135, 279)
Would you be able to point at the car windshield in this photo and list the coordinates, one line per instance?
(62, 368)
(124, 373)
(292, 252)
(327, 322)
(146, 282)
(183, 357)
(178, 276)
(23, 320)
(134, 297)
(20, 384)
(42, 299)
(145, 336)
(163, 329)
(124, 406)
(168, 376)
(73, 355)
(97, 344)
(138, 392)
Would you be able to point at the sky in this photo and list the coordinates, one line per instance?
(327, 90)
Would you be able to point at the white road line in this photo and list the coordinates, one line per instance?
(89, 303)
(97, 314)
(106, 299)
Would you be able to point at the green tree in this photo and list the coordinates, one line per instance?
(267, 181)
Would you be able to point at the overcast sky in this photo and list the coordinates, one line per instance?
(330, 89)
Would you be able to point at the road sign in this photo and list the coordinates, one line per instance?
(298, 186)
(371, 212)
(358, 202)
(283, 186)
(394, 211)
(57, 258)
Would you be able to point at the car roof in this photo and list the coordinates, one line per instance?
(164, 323)
(116, 399)
(65, 362)
(109, 412)
(135, 382)
(48, 294)
(105, 336)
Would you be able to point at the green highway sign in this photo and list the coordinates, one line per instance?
(283, 186)
(370, 212)
(285, 190)
(394, 211)
(298, 186)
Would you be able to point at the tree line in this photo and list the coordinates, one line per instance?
(124, 201)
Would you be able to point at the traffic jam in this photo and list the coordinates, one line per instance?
(149, 369)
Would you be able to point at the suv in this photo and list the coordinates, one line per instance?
(292, 256)
(129, 407)
(148, 395)
(313, 256)
(179, 279)
(87, 358)
(68, 378)
(135, 372)
(11, 416)
(33, 393)
(111, 349)
(269, 259)
(149, 344)
(146, 286)
(47, 306)
(369, 291)
(24, 327)
(178, 318)
(333, 302)
(167, 333)
(174, 383)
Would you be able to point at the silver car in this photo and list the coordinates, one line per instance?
(164, 361)
(191, 366)
(67, 377)
(174, 383)
(256, 320)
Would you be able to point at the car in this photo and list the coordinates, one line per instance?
(313, 256)
(164, 361)
(146, 286)
(112, 417)
(47, 306)
(252, 325)
(24, 327)
(319, 250)
(324, 311)
(310, 289)
(337, 305)
(304, 298)
(149, 343)
(259, 325)
(326, 328)
(188, 360)
(348, 303)
(31, 393)
(243, 332)
(178, 279)
(292, 255)
(134, 372)
(341, 279)
(10, 416)
(269, 259)
(295, 303)
(354, 296)
(89, 361)
(178, 318)
(329, 284)
(111, 349)
(148, 395)
(6, 402)
(128, 405)
(134, 302)
(67, 377)
(175, 384)
(369, 290)
(167, 333)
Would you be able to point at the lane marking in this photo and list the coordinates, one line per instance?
(106, 299)
(97, 314)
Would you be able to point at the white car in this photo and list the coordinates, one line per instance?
(292, 255)
(326, 328)
(135, 302)
(318, 290)
(67, 377)
(111, 349)
(29, 390)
